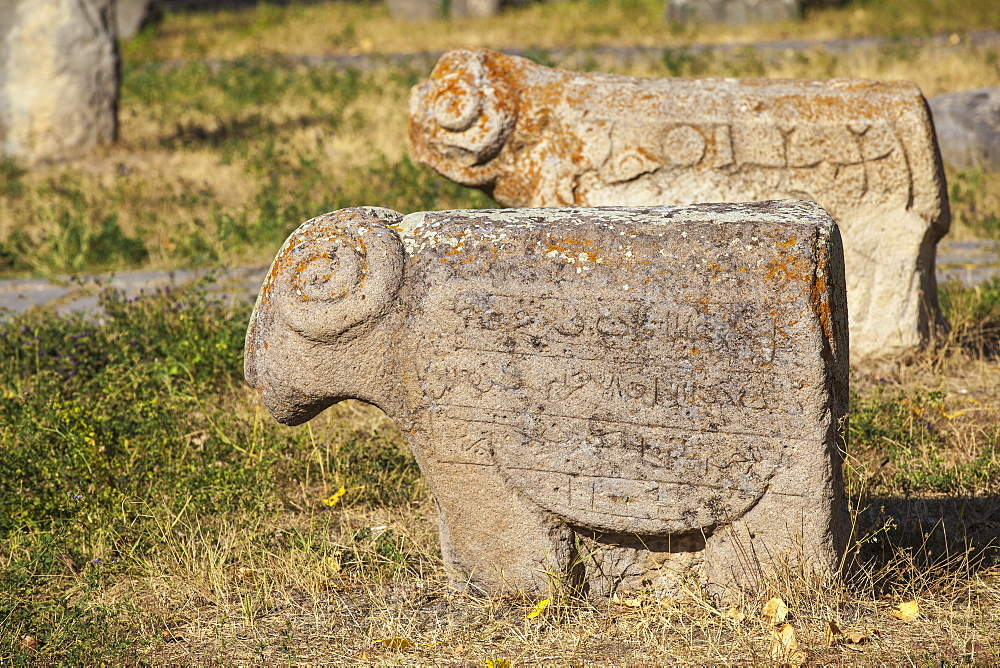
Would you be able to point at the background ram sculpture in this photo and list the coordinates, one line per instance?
(865, 150)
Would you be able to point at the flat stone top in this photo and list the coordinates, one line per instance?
(427, 229)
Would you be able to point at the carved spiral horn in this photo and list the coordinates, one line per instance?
(337, 274)
(461, 117)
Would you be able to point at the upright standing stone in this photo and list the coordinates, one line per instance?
(421, 10)
(58, 78)
(732, 12)
(623, 397)
(132, 15)
(416, 10)
(865, 150)
(968, 128)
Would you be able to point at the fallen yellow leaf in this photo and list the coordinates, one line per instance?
(627, 602)
(397, 643)
(333, 564)
(539, 607)
(497, 663)
(332, 500)
(734, 614)
(906, 611)
(775, 611)
(856, 638)
(785, 648)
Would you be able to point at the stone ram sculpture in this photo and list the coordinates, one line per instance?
(624, 397)
(864, 150)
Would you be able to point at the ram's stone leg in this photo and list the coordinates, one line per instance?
(495, 539)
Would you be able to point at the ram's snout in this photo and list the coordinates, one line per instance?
(333, 281)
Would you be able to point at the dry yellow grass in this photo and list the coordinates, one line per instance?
(193, 148)
(309, 584)
(344, 27)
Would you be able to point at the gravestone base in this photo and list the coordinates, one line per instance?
(416, 10)
(425, 10)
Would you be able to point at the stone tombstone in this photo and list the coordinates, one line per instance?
(732, 12)
(131, 16)
(423, 10)
(58, 78)
(474, 8)
(968, 128)
(534, 136)
(625, 397)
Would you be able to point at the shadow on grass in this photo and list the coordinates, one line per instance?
(250, 127)
(913, 543)
(973, 316)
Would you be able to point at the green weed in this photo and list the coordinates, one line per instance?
(682, 63)
(71, 232)
(11, 172)
(974, 200)
(973, 313)
(117, 436)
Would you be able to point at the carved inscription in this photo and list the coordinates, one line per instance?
(838, 164)
(737, 333)
(657, 413)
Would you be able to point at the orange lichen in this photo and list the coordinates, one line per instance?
(789, 268)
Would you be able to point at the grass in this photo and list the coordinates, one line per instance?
(347, 27)
(152, 512)
(217, 163)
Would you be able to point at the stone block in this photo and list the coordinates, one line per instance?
(621, 397)
(58, 78)
(474, 8)
(732, 12)
(864, 150)
(416, 10)
(968, 128)
(131, 16)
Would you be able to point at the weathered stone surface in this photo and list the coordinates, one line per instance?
(58, 78)
(968, 128)
(732, 12)
(421, 10)
(865, 150)
(622, 396)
